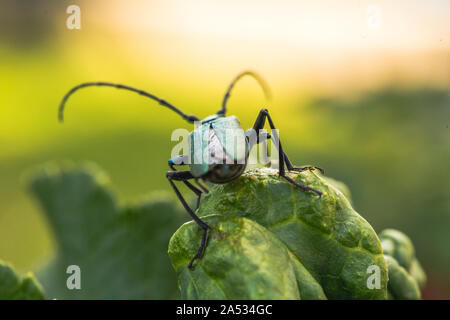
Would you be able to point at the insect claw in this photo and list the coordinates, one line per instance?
(310, 168)
(319, 193)
(190, 265)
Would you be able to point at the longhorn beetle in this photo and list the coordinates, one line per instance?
(214, 128)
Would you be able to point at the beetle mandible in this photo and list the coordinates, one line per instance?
(224, 164)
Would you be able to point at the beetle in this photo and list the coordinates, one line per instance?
(222, 164)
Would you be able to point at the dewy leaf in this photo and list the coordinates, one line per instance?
(242, 261)
(14, 287)
(121, 251)
(334, 244)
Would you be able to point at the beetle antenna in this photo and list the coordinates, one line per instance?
(162, 102)
(254, 75)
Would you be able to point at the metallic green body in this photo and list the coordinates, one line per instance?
(215, 136)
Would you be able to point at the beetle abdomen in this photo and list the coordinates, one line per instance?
(223, 173)
(222, 167)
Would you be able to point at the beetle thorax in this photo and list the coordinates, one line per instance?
(218, 150)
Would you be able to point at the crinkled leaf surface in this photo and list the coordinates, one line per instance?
(325, 237)
(406, 276)
(244, 261)
(15, 287)
(121, 251)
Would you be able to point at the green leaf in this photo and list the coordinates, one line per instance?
(242, 261)
(121, 251)
(325, 237)
(14, 287)
(406, 275)
(401, 285)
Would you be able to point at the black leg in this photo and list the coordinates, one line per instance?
(180, 160)
(202, 186)
(183, 176)
(310, 168)
(282, 157)
(289, 165)
(292, 168)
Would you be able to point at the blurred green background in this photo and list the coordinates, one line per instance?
(369, 103)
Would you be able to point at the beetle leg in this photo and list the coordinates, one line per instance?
(197, 192)
(202, 186)
(180, 161)
(183, 176)
(282, 157)
(290, 167)
(310, 168)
